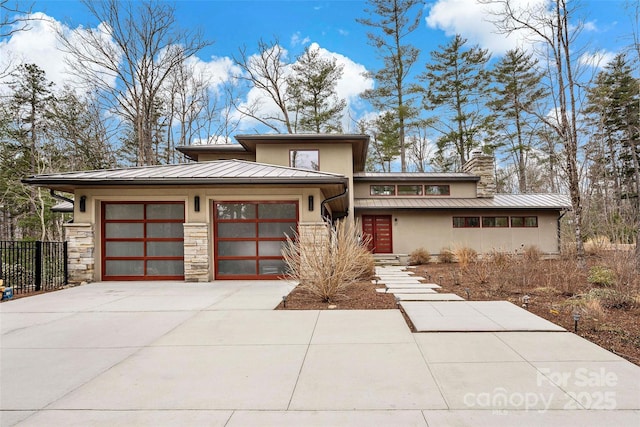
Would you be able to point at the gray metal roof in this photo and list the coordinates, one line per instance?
(499, 201)
(413, 176)
(201, 173)
(64, 207)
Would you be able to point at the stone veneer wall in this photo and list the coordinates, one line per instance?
(196, 252)
(81, 252)
(482, 165)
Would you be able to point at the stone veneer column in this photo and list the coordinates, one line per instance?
(81, 244)
(196, 252)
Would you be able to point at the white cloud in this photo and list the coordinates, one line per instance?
(472, 20)
(343, 32)
(596, 59)
(37, 46)
(298, 40)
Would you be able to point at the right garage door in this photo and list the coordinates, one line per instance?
(248, 238)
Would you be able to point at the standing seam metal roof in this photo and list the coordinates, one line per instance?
(499, 201)
(227, 170)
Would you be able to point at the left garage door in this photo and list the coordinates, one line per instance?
(142, 240)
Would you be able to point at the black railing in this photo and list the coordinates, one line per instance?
(33, 266)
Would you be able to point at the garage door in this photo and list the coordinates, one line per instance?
(248, 238)
(142, 240)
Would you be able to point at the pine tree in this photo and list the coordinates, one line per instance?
(515, 96)
(455, 85)
(613, 108)
(312, 90)
(393, 21)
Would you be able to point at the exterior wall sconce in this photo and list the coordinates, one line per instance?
(395, 220)
(310, 203)
(196, 203)
(83, 203)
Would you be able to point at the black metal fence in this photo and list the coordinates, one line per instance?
(33, 266)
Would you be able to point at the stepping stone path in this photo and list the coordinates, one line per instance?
(430, 311)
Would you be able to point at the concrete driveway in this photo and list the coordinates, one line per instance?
(174, 353)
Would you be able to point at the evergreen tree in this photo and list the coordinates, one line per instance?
(383, 147)
(312, 89)
(455, 85)
(514, 100)
(612, 109)
(26, 150)
(393, 21)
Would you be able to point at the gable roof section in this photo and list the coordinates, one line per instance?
(499, 201)
(412, 176)
(201, 173)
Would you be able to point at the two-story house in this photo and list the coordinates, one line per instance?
(227, 215)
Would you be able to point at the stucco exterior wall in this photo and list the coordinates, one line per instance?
(334, 158)
(457, 189)
(205, 157)
(434, 231)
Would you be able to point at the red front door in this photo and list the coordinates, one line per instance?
(379, 228)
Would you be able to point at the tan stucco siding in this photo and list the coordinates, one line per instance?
(457, 189)
(434, 231)
(204, 157)
(334, 158)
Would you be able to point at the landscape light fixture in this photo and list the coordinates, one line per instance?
(284, 301)
(468, 293)
(525, 301)
(576, 318)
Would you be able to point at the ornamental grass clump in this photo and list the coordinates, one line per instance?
(327, 260)
(419, 256)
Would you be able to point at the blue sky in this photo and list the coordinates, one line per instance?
(330, 24)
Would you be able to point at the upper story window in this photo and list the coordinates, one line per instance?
(304, 159)
(409, 190)
(383, 190)
(437, 190)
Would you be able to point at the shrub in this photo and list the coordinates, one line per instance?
(532, 253)
(465, 256)
(612, 298)
(601, 276)
(326, 261)
(445, 256)
(419, 256)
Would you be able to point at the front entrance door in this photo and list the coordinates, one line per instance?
(379, 228)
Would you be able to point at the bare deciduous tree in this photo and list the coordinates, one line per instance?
(129, 58)
(553, 27)
(267, 72)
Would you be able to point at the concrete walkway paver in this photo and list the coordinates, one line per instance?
(101, 355)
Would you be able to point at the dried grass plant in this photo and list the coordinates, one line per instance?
(326, 261)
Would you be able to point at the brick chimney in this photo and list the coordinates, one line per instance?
(482, 165)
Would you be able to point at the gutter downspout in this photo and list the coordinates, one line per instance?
(59, 197)
(330, 199)
(564, 212)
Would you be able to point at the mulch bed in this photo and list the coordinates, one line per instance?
(361, 296)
